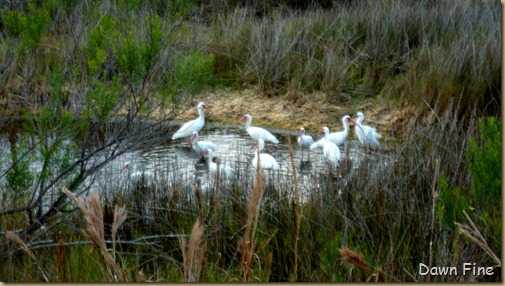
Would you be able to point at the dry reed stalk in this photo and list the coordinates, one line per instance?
(59, 249)
(297, 206)
(193, 253)
(14, 237)
(246, 246)
(198, 195)
(120, 216)
(473, 233)
(216, 202)
(353, 259)
(268, 265)
(434, 195)
(95, 230)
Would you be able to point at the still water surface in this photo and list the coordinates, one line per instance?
(174, 163)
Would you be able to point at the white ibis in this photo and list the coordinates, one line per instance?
(318, 144)
(339, 137)
(257, 132)
(330, 150)
(345, 166)
(305, 141)
(197, 124)
(367, 135)
(136, 176)
(200, 146)
(225, 171)
(267, 162)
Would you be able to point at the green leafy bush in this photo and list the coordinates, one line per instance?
(483, 197)
(28, 26)
(191, 72)
(484, 163)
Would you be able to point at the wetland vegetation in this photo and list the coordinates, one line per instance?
(85, 82)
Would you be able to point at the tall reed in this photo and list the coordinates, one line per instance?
(95, 230)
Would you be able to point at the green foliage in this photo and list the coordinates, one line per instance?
(484, 164)
(483, 198)
(179, 9)
(129, 5)
(191, 73)
(19, 179)
(54, 117)
(99, 44)
(136, 54)
(153, 44)
(330, 258)
(28, 26)
(453, 201)
(484, 160)
(102, 100)
(128, 56)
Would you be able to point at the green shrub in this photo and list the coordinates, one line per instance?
(483, 197)
(28, 26)
(191, 72)
(484, 164)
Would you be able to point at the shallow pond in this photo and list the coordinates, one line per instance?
(174, 163)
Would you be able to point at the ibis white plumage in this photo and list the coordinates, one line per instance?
(258, 132)
(304, 141)
(197, 124)
(225, 171)
(201, 146)
(318, 144)
(339, 137)
(330, 150)
(267, 162)
(368, 136)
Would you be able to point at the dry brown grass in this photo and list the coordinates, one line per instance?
(355, 260)
(472, 232)
(193, 253)
(311, 111)
(14, 237)
(198, 195)
(247, 245)
(95, 229)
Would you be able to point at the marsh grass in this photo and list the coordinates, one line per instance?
(376, 224)
(394, 209)
(411, 51)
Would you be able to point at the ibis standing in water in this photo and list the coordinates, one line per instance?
(305, 141)
(197, 124)
(330, 150)
(368, 136)
(200, 146)
(336, 137)
(225, 171)
(258, 132)
(266, 161)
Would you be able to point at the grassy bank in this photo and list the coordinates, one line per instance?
(392, 213)
(405, 53)
(426, 73)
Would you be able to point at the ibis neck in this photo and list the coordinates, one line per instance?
(201, 113)
(346, 126)
(248, 123)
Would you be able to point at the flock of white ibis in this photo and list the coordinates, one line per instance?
(368, 136)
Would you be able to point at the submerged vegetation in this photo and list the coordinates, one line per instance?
(82, 77)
